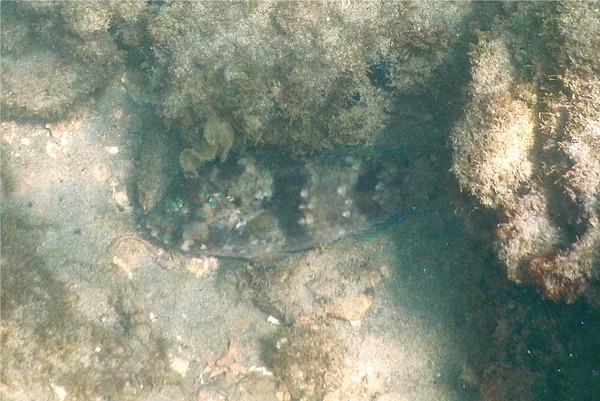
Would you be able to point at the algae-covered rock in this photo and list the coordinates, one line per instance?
(55, 54)
(529, 144)
(296, 74)
(492, 143)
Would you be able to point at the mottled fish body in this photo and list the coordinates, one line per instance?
(264, 207)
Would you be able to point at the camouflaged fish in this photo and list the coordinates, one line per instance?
(264, 207)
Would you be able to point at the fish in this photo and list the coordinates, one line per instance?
(264, 206)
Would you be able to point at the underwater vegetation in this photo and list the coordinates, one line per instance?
(293, 74)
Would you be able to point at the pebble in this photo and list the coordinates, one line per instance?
(201, 266)
(113, 150)
(54, 150)
(179, 365)
(122, 199)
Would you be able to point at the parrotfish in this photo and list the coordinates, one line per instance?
(265, 206)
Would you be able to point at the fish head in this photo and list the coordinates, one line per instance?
(192, 220)
(165, 220)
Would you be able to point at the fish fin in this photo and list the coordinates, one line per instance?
(383, 226)
(262, 225)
